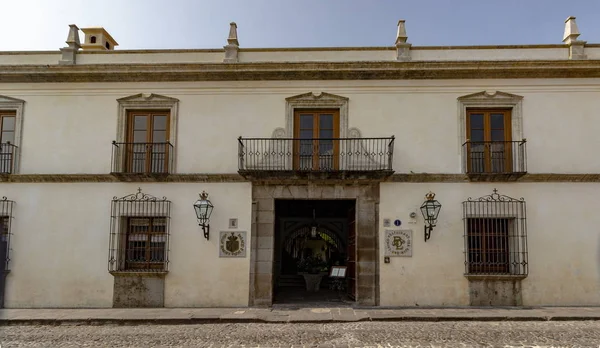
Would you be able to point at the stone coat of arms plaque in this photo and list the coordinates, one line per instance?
(398, 243)
(232, 244)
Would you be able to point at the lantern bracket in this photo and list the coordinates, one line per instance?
(205, 230)
(430, 210)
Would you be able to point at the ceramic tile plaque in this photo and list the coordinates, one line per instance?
(398, 243)
(232, 244)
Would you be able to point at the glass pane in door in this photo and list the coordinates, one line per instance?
(477, 145)
(306, 144)
(326, 142)
(137, 151)
(159, 145)
(498, 145)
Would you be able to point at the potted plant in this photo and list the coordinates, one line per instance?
(312, 268)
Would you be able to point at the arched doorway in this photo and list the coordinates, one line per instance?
(311, 237)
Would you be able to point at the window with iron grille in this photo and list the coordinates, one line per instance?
(6, 208)
(495, 235)
(139, 235)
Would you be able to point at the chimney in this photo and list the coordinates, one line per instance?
(233, 45)
(401, 35)
(402, 46)
(98, 39)
(576, 47)
(571, 30)
(69, 53)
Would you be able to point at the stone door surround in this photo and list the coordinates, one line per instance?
(263, 235)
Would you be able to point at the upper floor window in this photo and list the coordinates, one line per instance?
(317, 140)
(495, 236)
(11, 120)
(147, 147)
(7, 123)
(146, 135)
(7, 140)
(489, 145)
(491, 132)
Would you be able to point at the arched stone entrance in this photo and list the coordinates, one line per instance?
(264, 267)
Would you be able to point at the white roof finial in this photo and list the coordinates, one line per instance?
(233, 38)
(401, 35)
(571, 31)
(233, 46)
(73, 38)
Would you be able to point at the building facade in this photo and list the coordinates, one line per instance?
(313, 159)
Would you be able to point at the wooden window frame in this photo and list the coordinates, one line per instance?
(508, 145)
(147, 264)
(316, 129)
(7, 166)
(486, 251)
(128, 158)
(7, 113)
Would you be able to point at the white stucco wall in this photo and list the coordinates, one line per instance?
(592, 52)
(68, 128)
(488, 54)
(28, 58)
(60, 245)
(157, 57)
(562, 238)
(318, 55)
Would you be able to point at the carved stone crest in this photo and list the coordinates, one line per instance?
(232, 244)
(398, 243)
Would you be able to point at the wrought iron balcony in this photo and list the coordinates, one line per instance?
(489, 160)
(276, 156)
(142, 158)
(8, 153)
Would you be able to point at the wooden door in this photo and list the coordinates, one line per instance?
(316, 140)
(147, 143)
(351, 252)
(7, 140)
(490, 148)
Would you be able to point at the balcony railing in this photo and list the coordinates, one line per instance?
(495, 157)
(8, 153)
(315, 155)
(142, 158)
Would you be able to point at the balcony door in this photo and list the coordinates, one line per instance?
(316, 140)
(147, 147)
(489, 148)
(7, 140)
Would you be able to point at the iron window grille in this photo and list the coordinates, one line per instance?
(139, 233)
(495, 235)
(6, 211)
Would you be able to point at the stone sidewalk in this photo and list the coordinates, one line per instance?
(136, 316)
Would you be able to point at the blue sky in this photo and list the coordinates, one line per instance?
(138, 24)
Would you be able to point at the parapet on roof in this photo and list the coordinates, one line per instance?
(99, 61)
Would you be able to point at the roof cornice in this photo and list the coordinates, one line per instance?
(374, 70)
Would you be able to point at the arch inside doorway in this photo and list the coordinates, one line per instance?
(321, 242)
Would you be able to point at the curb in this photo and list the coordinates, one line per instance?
(199, 321)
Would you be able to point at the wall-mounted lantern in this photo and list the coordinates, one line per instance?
(430, 210)
(203, 208)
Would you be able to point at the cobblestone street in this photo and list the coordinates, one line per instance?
(358, 334)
